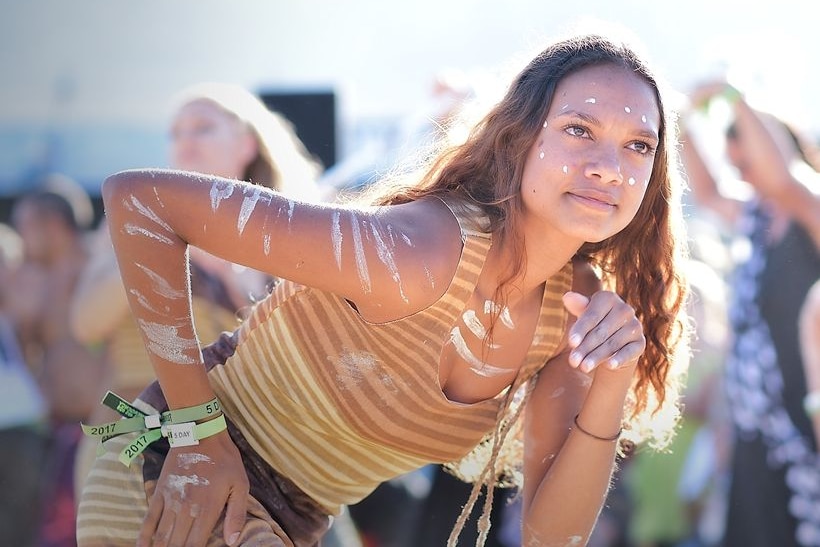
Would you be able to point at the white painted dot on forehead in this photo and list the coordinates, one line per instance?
(565, 169)
(627, 109)
(590, 100)
(545, 124)
(541, 154)
(643, 118)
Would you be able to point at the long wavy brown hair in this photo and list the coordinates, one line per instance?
(642, 263)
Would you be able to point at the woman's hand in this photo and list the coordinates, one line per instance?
(606, 332)
(195, 486)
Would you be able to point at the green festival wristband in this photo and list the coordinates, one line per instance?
(137, 420)
(179, 435)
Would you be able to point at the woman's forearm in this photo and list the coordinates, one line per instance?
(568, 501)
(152, 260)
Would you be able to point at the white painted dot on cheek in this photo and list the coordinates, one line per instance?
(627, 109)
(541, 154)
(565, 169)
(643, 118)
(632, 181)
(590, 100)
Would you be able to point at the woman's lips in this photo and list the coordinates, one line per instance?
(600, 201)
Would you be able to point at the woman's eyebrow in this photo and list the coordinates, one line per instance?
(589, 118)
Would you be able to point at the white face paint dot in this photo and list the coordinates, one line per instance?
(545, 124)
(643, 118)
(631, 181)
(627, 109)
(565, 169)
(541, 154)
(590, 100)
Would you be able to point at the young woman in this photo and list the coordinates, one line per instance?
(532, 272)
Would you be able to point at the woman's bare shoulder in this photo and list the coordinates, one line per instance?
(426, 253)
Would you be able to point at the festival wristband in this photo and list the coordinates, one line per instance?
(811, 403)
(178, 435)
(136, 420)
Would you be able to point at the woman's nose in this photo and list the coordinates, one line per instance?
(606, 166)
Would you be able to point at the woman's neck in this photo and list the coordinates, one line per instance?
(543, 260)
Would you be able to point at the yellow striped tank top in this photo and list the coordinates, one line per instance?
(339, 405)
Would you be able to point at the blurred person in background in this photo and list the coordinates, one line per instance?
(775, 473)
(52, 220)
(23, 420)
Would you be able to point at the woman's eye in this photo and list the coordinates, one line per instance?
(576, 130)
(642, 147)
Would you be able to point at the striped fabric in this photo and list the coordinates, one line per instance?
(339, 405)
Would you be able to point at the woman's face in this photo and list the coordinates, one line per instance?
(207, 139)
(587, 172)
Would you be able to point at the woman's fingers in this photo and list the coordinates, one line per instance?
(235, 516)
(151, 521)
(606, 331)
(203, 523)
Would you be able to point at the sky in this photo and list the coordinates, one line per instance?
(88, 82)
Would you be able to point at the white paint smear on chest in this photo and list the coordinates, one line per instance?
(354, 367)
(474, 325)
(504, 315)
(476, 365)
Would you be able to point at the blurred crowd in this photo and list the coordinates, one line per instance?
(742, 471)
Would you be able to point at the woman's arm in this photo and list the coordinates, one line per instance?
(702, 182)
(772, 155)
(389, 261)
(567, 469)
